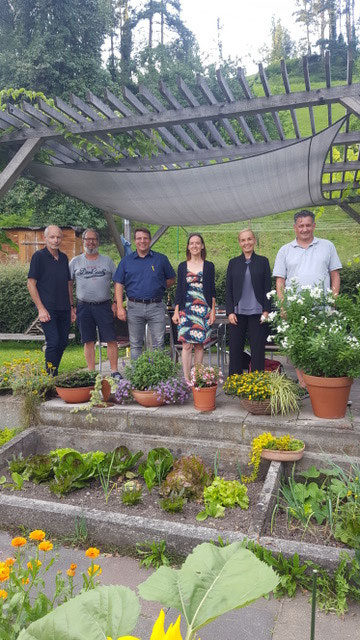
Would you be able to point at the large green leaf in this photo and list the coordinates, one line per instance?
(211, 582)
(105, 611)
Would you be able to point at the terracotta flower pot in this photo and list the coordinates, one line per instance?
(75, 394)
(329, 396)
(256, 407)
(282, 456)
(147, 398)
(204, 398)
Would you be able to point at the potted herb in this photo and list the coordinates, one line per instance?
(264, 392)
(76, 386)
(151, 369)
(204, 381)
(283, 449)
(321, 336)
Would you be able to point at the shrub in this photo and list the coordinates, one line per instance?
(149, 369)
(17, 310)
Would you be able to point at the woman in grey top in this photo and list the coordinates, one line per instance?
(248, 281)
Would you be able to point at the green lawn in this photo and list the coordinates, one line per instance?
(73, 357)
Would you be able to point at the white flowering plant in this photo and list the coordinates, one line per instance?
(318, 332)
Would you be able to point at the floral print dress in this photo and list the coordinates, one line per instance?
(194, 319)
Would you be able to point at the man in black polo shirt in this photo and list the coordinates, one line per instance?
(49, 284)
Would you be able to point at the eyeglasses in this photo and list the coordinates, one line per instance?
(94, 240)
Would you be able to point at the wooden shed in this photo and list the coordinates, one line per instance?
(30, 239)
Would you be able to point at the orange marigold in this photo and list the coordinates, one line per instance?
(25, 581)
(9, 562)
(70, 572)
(3, 594)
(94, 569)
(73, 566)
(18, 542)
(92, 552)
(45, 545)
(37, 534)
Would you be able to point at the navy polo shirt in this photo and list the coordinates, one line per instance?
(144, 278)
(52, 277)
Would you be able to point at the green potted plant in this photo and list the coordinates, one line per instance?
(266, 445)
(76, 386)
(321, 336)
(146, 373)
(264, 392)
(204, 381)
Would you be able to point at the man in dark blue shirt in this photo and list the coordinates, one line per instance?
(145, 274)
(49, 284)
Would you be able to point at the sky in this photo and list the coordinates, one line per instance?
(245, 26)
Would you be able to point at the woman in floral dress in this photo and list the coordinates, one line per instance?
(194, 302)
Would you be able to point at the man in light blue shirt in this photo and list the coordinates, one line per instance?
(310, 260)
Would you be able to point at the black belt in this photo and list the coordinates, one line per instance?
(145, 301)
(85, 302)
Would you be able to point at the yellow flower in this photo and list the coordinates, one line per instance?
(4, 573)
(158, 632)
(349, 493)
(18, 542)
(70, 572)
(25, 581)
(46, 545)
(38, 564)
(92, 552)
(94, 569)
(37, 534)
(3, 594)
(73, 566)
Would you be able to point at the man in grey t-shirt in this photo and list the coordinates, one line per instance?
(93, 275)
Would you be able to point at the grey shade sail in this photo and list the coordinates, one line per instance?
(287, 178)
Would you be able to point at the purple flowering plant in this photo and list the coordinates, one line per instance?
(173, 391)
(123, 393)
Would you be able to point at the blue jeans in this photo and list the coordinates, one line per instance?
(139, 315)
(57, 334)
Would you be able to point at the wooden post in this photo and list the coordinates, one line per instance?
(114, 232)
(17, 164)
(351, 212)
(161, 230)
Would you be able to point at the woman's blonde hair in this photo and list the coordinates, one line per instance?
(244, 230)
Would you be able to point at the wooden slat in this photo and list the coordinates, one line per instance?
(350, 165)
(340, 186)
(167, 135)
(179, 130)
(17, 164)
(347, 124)
(11, 121)
(350, 211)
(100, 105)
(173, 102)
(157, 235)
(248, 94)
(230, 98)
(305, 62)
(35, 113)
(267, 91)
(88, 112)
(329, 112)
(197, 114)
(286, 82)
(201, 82)
(193, 102)
(22, 116)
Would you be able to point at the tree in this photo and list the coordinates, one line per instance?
(53, 46)
(305, 15)
(281, 44)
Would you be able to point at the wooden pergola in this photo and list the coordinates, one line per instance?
(184, 131)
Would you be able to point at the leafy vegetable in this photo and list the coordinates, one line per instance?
(158, 464)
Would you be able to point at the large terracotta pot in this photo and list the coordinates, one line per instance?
(282, 456)
(204, 398)
(147, 398)
(329, 396)
(75, 394)
(256, 407)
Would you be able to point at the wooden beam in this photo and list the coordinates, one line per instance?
(248, 94)
(352, 104)
(230, 97)
(173, 102)
(200, 113)
(267, 91)
(159, 232)
(350, 211)
(286, 82)
(114, 232)
(194, 104)
(17, 164)
(208, 94)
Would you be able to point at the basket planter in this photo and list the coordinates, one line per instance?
(280, 455)
(204, 398)
(329, 396)
(257, 407)
(147, 398)
(74, 395)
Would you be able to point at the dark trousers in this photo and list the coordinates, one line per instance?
(247, 326)
(56, 334)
